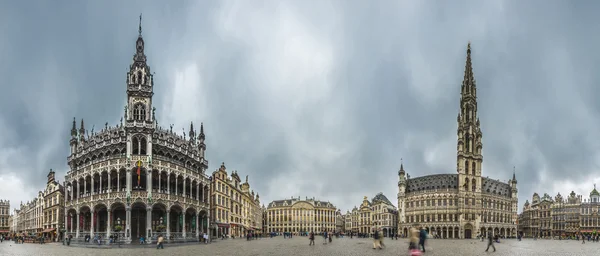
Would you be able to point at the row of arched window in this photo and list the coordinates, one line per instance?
(139, 146)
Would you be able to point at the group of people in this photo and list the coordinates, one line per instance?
(417, 237)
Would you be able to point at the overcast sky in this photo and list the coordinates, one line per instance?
(312, 98)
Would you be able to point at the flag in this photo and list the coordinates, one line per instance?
(139, 165)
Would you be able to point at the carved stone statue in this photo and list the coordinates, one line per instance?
(246, 178)
(153, 112)
(125, 111)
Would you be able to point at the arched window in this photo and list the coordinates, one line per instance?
(140, 77)
(139, 112)
(474, 168)
(135, 146)
(467, 184)
(474, 184)
(468, 144)
(466, 167)
(143, 146)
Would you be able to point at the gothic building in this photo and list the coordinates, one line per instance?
(464, 204)
(137, 178)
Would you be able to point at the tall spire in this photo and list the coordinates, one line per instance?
(401, 167)
(140, 27)
(468, 86)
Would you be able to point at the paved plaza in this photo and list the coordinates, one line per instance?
(299, 246)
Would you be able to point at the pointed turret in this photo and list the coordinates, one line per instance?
(192, 133)
(468, 86)
(201, 136)
(74, 129)
(401, 171)
(514, 178)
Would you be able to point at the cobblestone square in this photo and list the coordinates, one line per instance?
(299, 246)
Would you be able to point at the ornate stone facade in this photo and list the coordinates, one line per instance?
(377, 213)
(297, 216)
(235, 209)
(30, 216)
(545, 217)
(464, 204)
(53, 207)
(5, 217)
(137, 178)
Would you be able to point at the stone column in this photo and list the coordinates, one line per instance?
(197, 226)
(109, 183)
(208, 231)
(108, 222)
(168, 183)
(128, 222)
(92, 180)
(183, 220)
(168, 224)
(149, 180)
(92, 220)
(78, 221)
(148, 222)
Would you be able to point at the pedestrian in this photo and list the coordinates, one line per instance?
(311, 237)
(376, 241)
(324, 237)
(422, 238)
(159, 243)
(490, 242)
(381, 244)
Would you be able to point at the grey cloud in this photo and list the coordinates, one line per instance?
(312, 98)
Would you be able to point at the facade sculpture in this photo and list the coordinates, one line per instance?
(137, 179)
(465, 204)
(301, 216)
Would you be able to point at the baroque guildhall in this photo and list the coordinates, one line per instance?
(464, 204)
(136, 178)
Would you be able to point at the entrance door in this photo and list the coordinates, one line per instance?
(467, 234)
(138, 223)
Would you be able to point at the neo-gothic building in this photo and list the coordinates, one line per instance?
(464, 204)
(137, 178)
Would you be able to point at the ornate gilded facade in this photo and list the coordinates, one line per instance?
(465, 204)
(5, 217)
(236, 209)
(545, 217)
(377, 213)
(297, 216)
(53, 207)
(136, 178)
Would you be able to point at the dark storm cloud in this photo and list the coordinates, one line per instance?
(311, 98)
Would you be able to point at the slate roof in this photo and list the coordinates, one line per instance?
(290, 202)
(381, 197)
(450, 181)
(429, 182)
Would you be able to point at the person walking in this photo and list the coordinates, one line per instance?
(311, 237)
(490, 242)
(159, 243)
(376, 240)
(422, 238)
(381, 244)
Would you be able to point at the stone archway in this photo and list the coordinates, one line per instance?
(405, 232)
(468, 231)
(138, 221)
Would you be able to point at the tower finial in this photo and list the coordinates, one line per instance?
(514, 178)
(140, 27)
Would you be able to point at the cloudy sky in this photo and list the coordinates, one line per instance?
(312, 98)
